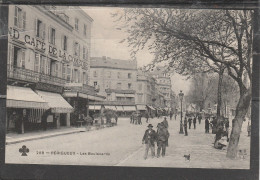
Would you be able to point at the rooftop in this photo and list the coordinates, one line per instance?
(107, 62)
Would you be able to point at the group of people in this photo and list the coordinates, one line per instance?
(136, 118)
(189, 119)
(160, 137)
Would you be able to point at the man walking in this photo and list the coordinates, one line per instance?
(162, 139)
(185, 126)
(199, 117)
(165, 123)
(207, 125)
(147, 117)
(194, 122)
(190, 119)
(149, 139)
(171, 114)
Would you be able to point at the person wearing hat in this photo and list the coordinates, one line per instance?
(165, 122)
(162, 139)
(149, 139)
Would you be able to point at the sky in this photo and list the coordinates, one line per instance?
(105, 41)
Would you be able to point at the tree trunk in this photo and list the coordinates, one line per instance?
(220, 84)
(241, 110)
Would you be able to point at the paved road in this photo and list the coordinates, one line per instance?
(122, 146)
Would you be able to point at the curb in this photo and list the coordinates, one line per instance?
(54, 135)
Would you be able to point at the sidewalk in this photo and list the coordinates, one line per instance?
(13, 138)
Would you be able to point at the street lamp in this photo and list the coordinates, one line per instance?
(181, 94)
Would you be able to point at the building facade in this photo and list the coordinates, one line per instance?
(48, 56)
(116, 80)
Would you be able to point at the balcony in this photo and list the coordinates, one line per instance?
(27, 75)
(82, 88)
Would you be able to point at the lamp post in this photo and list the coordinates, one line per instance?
(181, 94)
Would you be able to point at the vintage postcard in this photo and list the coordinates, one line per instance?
(140, 87)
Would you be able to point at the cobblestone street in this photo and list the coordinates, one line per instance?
(125, 148)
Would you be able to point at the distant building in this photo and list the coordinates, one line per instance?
(163, 80)
(116, 80)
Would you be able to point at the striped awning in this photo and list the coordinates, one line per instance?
(111, 107)
(56, 102)
(94, 107)
(141, 107)
(129, 108)
(119, 108)
(21, 97)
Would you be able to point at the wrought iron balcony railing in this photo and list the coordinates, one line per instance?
(19, 73)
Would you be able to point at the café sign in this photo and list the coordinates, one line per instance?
(42, 46)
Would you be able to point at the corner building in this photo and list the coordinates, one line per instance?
(48, 49)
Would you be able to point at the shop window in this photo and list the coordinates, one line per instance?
(19, 18)
(77, 24)
(40, 29)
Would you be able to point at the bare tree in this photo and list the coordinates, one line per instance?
(194, 41)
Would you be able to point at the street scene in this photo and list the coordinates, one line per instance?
(144, 87)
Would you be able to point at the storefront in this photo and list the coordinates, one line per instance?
(24, 109)
(128, 110)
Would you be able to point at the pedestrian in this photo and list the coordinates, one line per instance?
(131, 118)
(165, 122)
(139, 118)
(147, 117)
(227, 128)
(149, 140)
(199, 117)
(185, 126)
(194, 122)
(190, 120)
(18, 123)
(44, 119)
(219, 133)
(175, 115)
(207, 125)
(248, 129)
(12, 121)
(171, 114)
(162, 139)
(116, 117)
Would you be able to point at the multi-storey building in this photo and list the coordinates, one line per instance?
(163, 79)
(48, 51)
(116, 80)
(148, 95)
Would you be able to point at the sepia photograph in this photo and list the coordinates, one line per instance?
(129, 86)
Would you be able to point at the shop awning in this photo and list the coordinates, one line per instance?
(119, 108)
(151, 107)
(129, 95)
(129, 108)
(120, 95)
(56, 102)
(94, 107)
(21, 97)
(141, 107)
(111, 107)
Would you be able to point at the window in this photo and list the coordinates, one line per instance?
(95, 83)
(76, 76)
(42, 64)
(109, 85)
(95, 73)
(54, 68)
(40, 29)
(19, 57)
(119, 85)
(77, 24)
(48, 67)
(129, 86)
(52, 36)
(65, 43)
(19, 18)
(85, 30)
(85, 53)
(36, 62)
(129, 75)
(118, 75)
(85, 78)
(64, 66)
(140, 87)
(139, 97)
(76, 49)
(68, 73)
